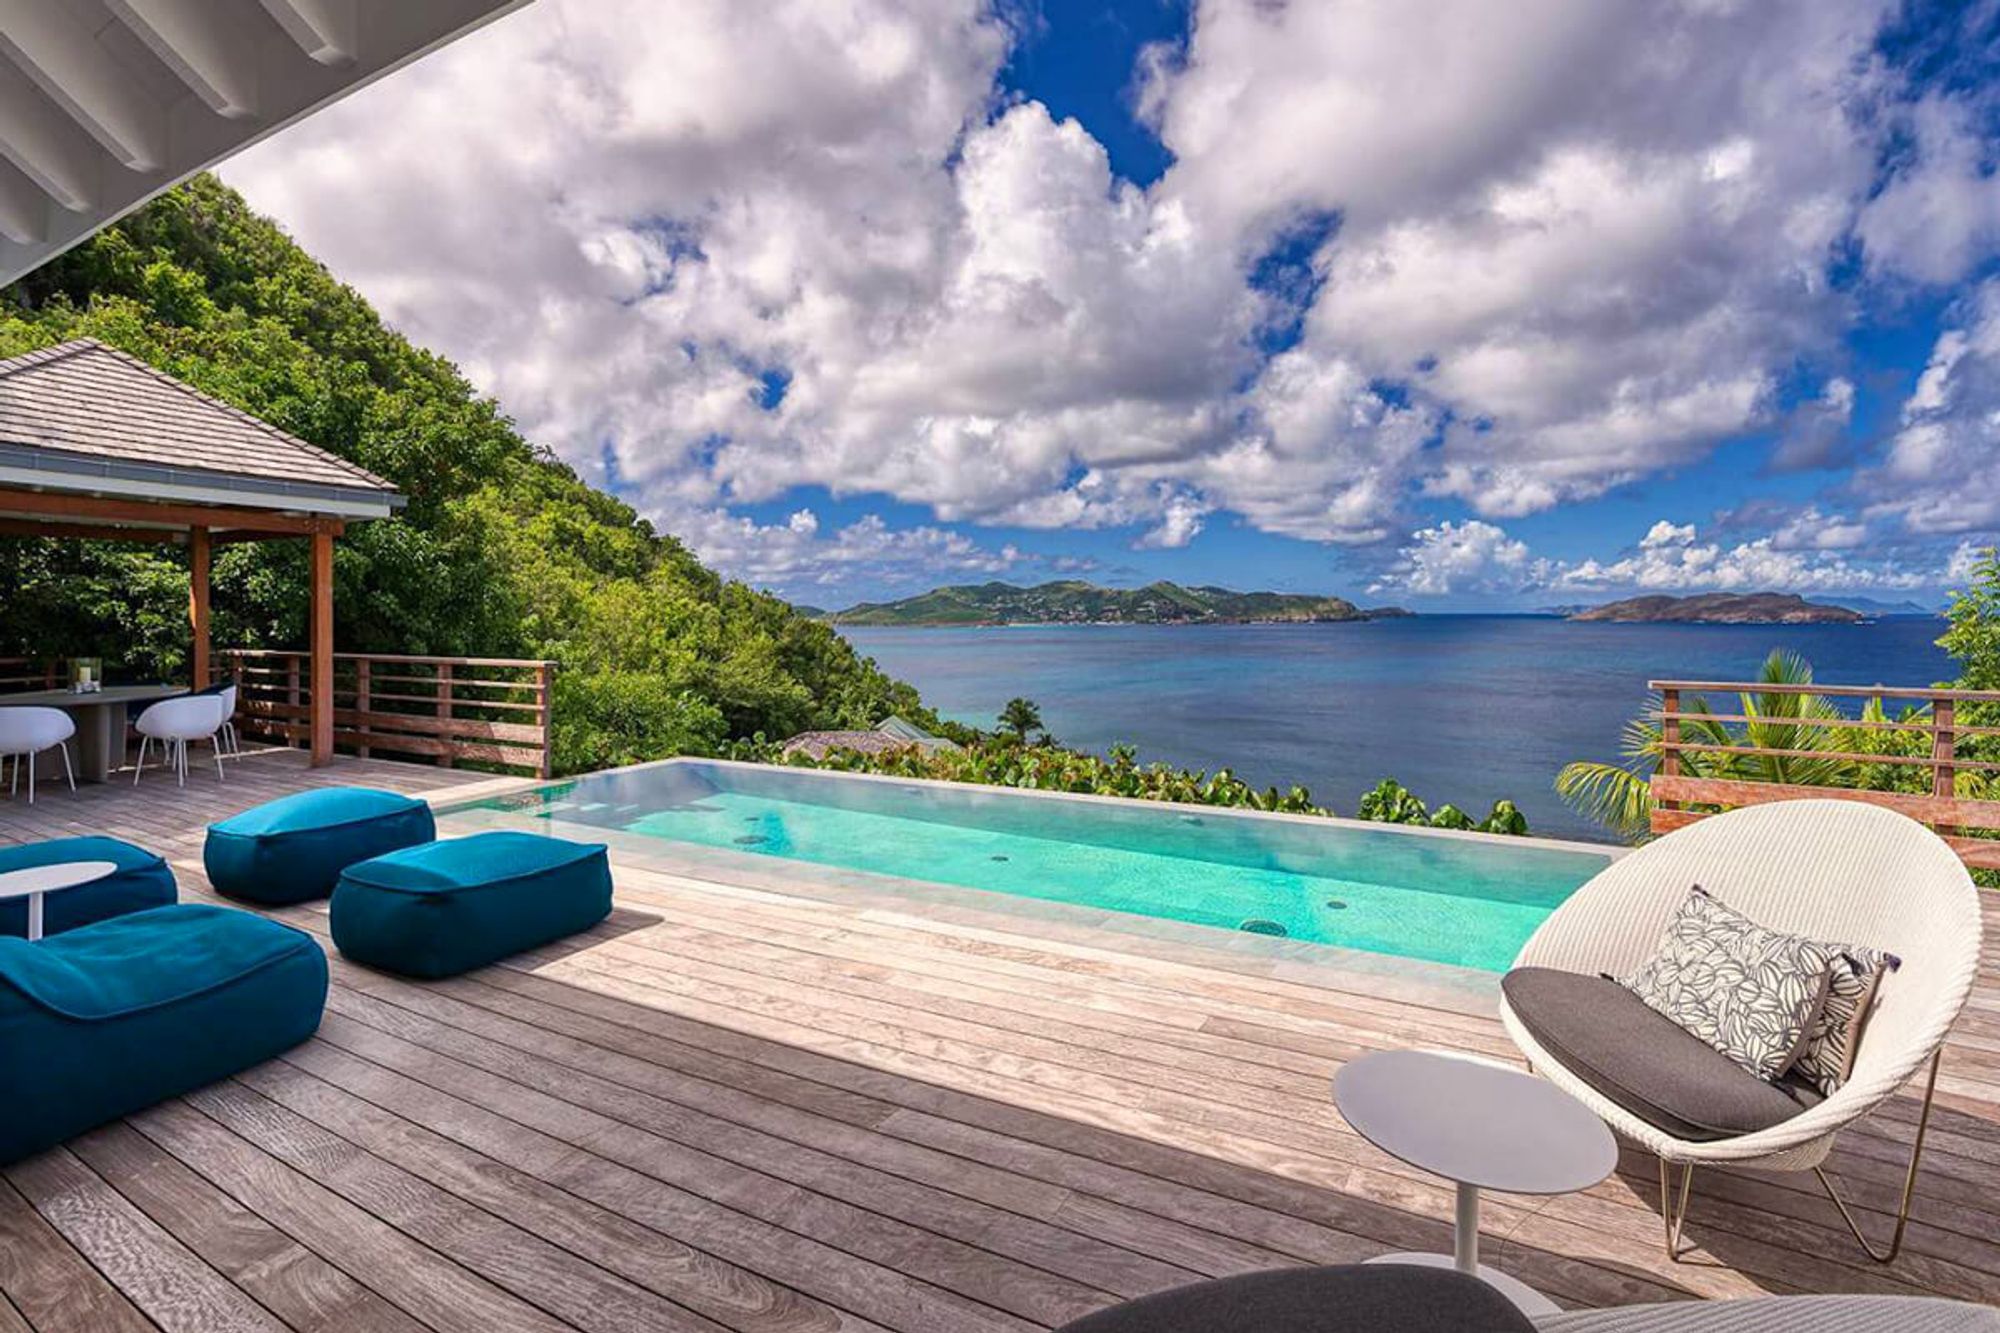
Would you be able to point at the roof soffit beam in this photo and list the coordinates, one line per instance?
(66, 61)
(70, 507)
(326, 30)
(24, 208)
(208, 44)
(45, 145)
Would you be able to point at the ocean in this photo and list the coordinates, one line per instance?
(1465, 709)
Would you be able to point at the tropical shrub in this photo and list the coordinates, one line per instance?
(1618, 796)
(1002, 761)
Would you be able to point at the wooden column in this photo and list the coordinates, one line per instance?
(198, 563)
(320, 690)
(1944, 743)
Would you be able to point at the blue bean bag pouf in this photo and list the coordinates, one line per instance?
(448, 907)
(295, 847)
(110, 1018)
(141, 881)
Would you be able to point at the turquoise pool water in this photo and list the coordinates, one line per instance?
(1468, 902)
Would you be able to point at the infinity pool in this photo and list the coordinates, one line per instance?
(1416, 894)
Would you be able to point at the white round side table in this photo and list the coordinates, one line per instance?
(35, 881)
(1481, 1126)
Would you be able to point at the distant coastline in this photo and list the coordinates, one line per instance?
(1072, 602)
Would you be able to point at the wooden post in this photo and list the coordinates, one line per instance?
(1943, 747)
(198, 564)
(543, 700)
(321, 687)
(361, 683)
(1670, 739)
(444, 713)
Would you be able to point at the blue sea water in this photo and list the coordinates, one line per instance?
(1465, 709)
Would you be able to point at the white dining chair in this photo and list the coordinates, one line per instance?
(26, 732)
(176, 721)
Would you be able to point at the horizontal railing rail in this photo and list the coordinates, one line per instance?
(1935, 720)
(29, 673)
(492, 711)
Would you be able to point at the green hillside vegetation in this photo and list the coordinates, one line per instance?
(1072, 602)
(503, 550)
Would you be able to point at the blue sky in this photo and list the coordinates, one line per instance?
(1376, 300)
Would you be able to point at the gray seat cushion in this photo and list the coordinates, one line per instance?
(1377, 1298)
(1668, 1077)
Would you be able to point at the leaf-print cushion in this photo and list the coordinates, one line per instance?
(1835, 1033)
(1747, 990)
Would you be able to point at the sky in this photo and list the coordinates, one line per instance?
(1454, 305)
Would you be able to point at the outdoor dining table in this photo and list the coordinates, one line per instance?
(100, 720)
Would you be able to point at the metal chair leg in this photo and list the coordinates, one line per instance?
(217, 741)
(1909, 1179)
(1674, 1214)
(68, 772)
(31, 776)
(140, 766)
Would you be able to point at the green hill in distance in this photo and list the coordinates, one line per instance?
(1073, 602)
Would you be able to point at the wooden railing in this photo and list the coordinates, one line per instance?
(29, 673)
(1938, 719)
(480, 710)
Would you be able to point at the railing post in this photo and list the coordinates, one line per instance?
(444, 713)
(1670, 740)
(291, 700)
(361, 666)
(1943, 748)
(543, 674)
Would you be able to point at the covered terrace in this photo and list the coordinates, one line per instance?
(96, 444)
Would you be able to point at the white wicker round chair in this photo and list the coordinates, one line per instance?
(1835, 870)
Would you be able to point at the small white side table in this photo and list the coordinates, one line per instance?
(1481, 1126)
(35, 881)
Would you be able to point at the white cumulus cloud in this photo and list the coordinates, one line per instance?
(801, 244)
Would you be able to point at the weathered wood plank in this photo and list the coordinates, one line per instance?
(153, 1270)
(307, 1293)
(52, 1286)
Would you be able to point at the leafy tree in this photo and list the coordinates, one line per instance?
(1974, 636)
(1020, 718)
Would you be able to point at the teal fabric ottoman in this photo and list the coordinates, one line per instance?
(295, 847)
(109, 1018)
(141, 881)
(448, 907)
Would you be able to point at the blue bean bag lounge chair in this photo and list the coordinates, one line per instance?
(448, 907)
(142, 880)
(294, 848)
(107, 1019)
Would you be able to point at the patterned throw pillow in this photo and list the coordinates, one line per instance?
(1748, 991)
(1831, 1038)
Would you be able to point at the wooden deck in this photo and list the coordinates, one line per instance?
(729, 1108)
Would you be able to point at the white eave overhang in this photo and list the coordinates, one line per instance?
(106, 103)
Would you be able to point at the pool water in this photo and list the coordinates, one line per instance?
(1470, 902)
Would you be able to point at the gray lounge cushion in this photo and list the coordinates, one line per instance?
(1377, 1298)
(1646, 1063)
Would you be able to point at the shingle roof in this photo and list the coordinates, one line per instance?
(96, 404)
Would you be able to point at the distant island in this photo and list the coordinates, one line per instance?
(1869, 606)
(1072, 602)
(1721, 608)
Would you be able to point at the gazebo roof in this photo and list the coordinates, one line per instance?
(84, 418)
